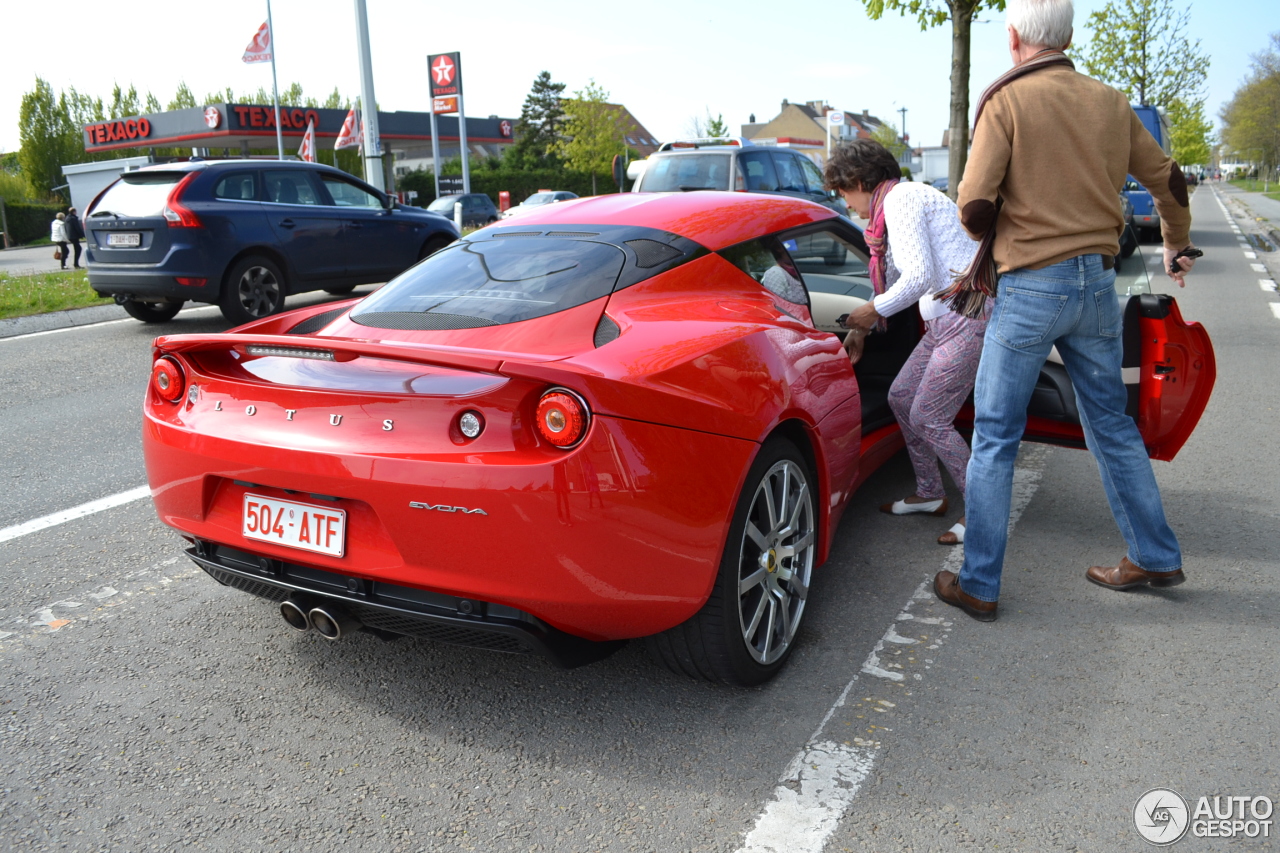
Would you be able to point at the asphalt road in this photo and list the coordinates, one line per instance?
(147, 708)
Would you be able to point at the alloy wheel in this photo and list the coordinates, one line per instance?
(775, 562)
(259, 291)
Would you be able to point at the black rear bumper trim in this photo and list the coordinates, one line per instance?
(401, 610)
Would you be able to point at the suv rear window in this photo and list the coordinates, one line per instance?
(138, 194)
(493, 282)
(679, 172)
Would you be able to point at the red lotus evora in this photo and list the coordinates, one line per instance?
(624, 416)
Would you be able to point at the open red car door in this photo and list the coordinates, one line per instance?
(1169, 369)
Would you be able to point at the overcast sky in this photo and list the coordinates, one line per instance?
(665, 60)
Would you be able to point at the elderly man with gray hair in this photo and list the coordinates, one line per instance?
(1051, 149)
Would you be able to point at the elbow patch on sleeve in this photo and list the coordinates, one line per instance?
(980, 214)
(1178, 186)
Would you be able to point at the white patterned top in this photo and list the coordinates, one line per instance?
(926, 244)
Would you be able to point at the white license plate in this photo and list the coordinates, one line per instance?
(124, 240)
(295, 525)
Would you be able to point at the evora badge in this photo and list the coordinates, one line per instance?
(443, 508)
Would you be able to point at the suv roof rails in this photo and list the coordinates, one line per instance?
(706, 142)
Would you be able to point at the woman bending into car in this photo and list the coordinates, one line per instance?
(915, 238)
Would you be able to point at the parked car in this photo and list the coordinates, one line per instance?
(941, 184)
(733, 164)
(630, 422)
(1128, 237)
(244, 234)
(537, 200)
(478, 209)
(1146, 221)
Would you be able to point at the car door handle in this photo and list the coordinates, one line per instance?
(286, 223)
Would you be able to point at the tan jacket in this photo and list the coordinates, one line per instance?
(1056, 146)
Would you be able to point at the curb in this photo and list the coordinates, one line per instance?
(60, 320)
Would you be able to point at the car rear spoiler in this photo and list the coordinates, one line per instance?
(346, 349)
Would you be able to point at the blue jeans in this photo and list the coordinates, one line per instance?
(1071, 304)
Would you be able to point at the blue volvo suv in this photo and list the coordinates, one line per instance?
(244, 234)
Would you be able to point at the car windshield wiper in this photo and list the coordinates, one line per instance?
(98, 213)
(684, 189)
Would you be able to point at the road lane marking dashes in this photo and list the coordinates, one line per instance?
(823, 779)
(1275, 309)
(1267, 284)
(54, 519)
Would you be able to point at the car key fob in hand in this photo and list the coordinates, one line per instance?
(1189, 252)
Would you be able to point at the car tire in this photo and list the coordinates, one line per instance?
(434, 245)
(152, 312)
(254, 289)
(745, 632)
(340, 291)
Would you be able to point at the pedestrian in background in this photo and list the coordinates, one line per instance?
(1051, 148)
(74, 232)
(58, 236)
(916, 241)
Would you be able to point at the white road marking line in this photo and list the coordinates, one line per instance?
(1251, 256)
(1267, 284)
(822, 780)
(94, 325)
(54, 519)
(1258, 267)
(1275, 309)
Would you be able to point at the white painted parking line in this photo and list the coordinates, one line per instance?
(1267, 284)
(75, 512)
(1275, 309)
(1258, 267)
(824, 778)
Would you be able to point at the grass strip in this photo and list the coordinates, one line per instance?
(40, 293)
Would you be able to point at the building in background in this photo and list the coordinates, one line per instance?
(807, 126)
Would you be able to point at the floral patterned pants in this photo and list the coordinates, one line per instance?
(929, 391)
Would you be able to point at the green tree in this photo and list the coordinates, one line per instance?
(183, 99)
(1251, 119)
(539, 127)
(592, 132)
(49, 140)
(1189, 133)
(935, 13)
(124, 104)
(706, 127)
(1141, 48)
(887, 135)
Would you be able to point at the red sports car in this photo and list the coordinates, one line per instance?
(620, 417)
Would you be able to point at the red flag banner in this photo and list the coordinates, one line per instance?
(307, 150)
(259, 50)
(349, 137)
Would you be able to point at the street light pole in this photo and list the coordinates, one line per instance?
(373, 170)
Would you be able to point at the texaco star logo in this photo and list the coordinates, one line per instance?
(504, 127)
(443, 69)
(212, 117)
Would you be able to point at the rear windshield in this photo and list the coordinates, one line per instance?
(683, 172)
(492, 282)
(540, 198)
(445, 204)
(138, 194)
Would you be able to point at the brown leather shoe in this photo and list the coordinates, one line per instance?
(947, 587)
(1127, 576)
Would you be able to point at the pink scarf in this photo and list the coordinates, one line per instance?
(877, 237)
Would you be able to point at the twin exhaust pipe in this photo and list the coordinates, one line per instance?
(330, 621)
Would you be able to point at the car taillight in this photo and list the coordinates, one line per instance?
(178, 214)
(562, 417)
(167, 379)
